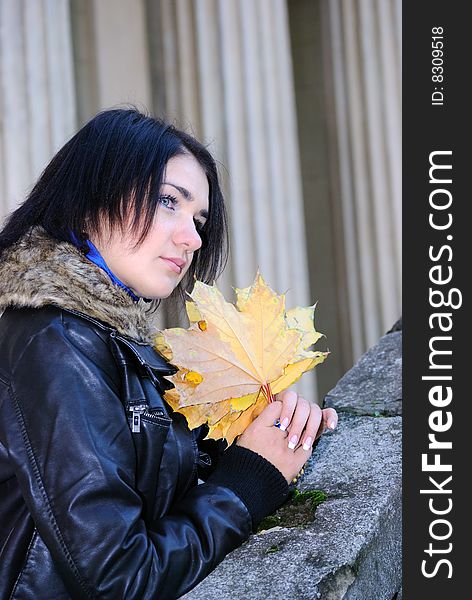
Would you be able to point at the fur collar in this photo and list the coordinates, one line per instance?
(39, 270)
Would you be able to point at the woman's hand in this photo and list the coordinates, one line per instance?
(288, 446)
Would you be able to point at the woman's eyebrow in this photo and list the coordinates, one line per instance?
(187, 195)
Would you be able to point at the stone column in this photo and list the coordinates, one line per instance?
(111, 55)
(37, 92)
(363, 42)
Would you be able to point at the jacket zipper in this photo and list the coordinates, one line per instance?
(141, 410)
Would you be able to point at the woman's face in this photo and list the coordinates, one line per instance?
(156, 267)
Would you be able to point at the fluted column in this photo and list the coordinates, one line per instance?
(37, 92)
(121, 54)
(363, 42)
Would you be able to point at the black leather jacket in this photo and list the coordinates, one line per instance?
(88, 508)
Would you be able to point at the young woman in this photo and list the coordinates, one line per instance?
(99, 494)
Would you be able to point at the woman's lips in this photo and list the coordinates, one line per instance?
(174, 263)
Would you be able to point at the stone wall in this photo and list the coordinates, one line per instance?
(350, 546)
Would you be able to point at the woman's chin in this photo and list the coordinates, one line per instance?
(156, 290)
(153, 293)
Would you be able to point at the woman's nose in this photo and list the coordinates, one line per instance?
(188, 236)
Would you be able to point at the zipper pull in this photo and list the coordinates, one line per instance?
(136, 412)
(136, 427)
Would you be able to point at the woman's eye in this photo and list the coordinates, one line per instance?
(168, 201)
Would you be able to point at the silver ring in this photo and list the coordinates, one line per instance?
(277, 423)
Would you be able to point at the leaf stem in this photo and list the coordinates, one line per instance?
(265, 387)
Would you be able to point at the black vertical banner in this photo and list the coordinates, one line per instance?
(437, 235)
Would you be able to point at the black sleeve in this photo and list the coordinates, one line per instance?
(259, 484)
(72, 452)
(255, 480)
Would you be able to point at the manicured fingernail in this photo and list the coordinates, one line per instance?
(332, 425)
(293, 442)
(284, 424)
(307, 443)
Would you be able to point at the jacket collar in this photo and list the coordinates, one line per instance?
(39, 270)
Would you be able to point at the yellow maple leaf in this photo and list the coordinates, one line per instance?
(193, 313)
(232, 358)
(302, 319)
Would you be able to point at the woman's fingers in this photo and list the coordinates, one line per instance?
(304, 421)
(271, 413)
(331, 418)
(311, 427)
(288, 450)
(302, 417)
(329, 421)
(289, 403)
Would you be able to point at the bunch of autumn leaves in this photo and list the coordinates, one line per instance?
(234, 358)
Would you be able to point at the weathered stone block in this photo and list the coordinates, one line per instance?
(351, 549)
(374, 385)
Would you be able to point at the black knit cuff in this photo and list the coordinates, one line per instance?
(259, 484)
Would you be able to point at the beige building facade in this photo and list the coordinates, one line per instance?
(299, 101)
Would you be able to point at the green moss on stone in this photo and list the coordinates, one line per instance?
(269, 522)
(313, 497)
(299, 510)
